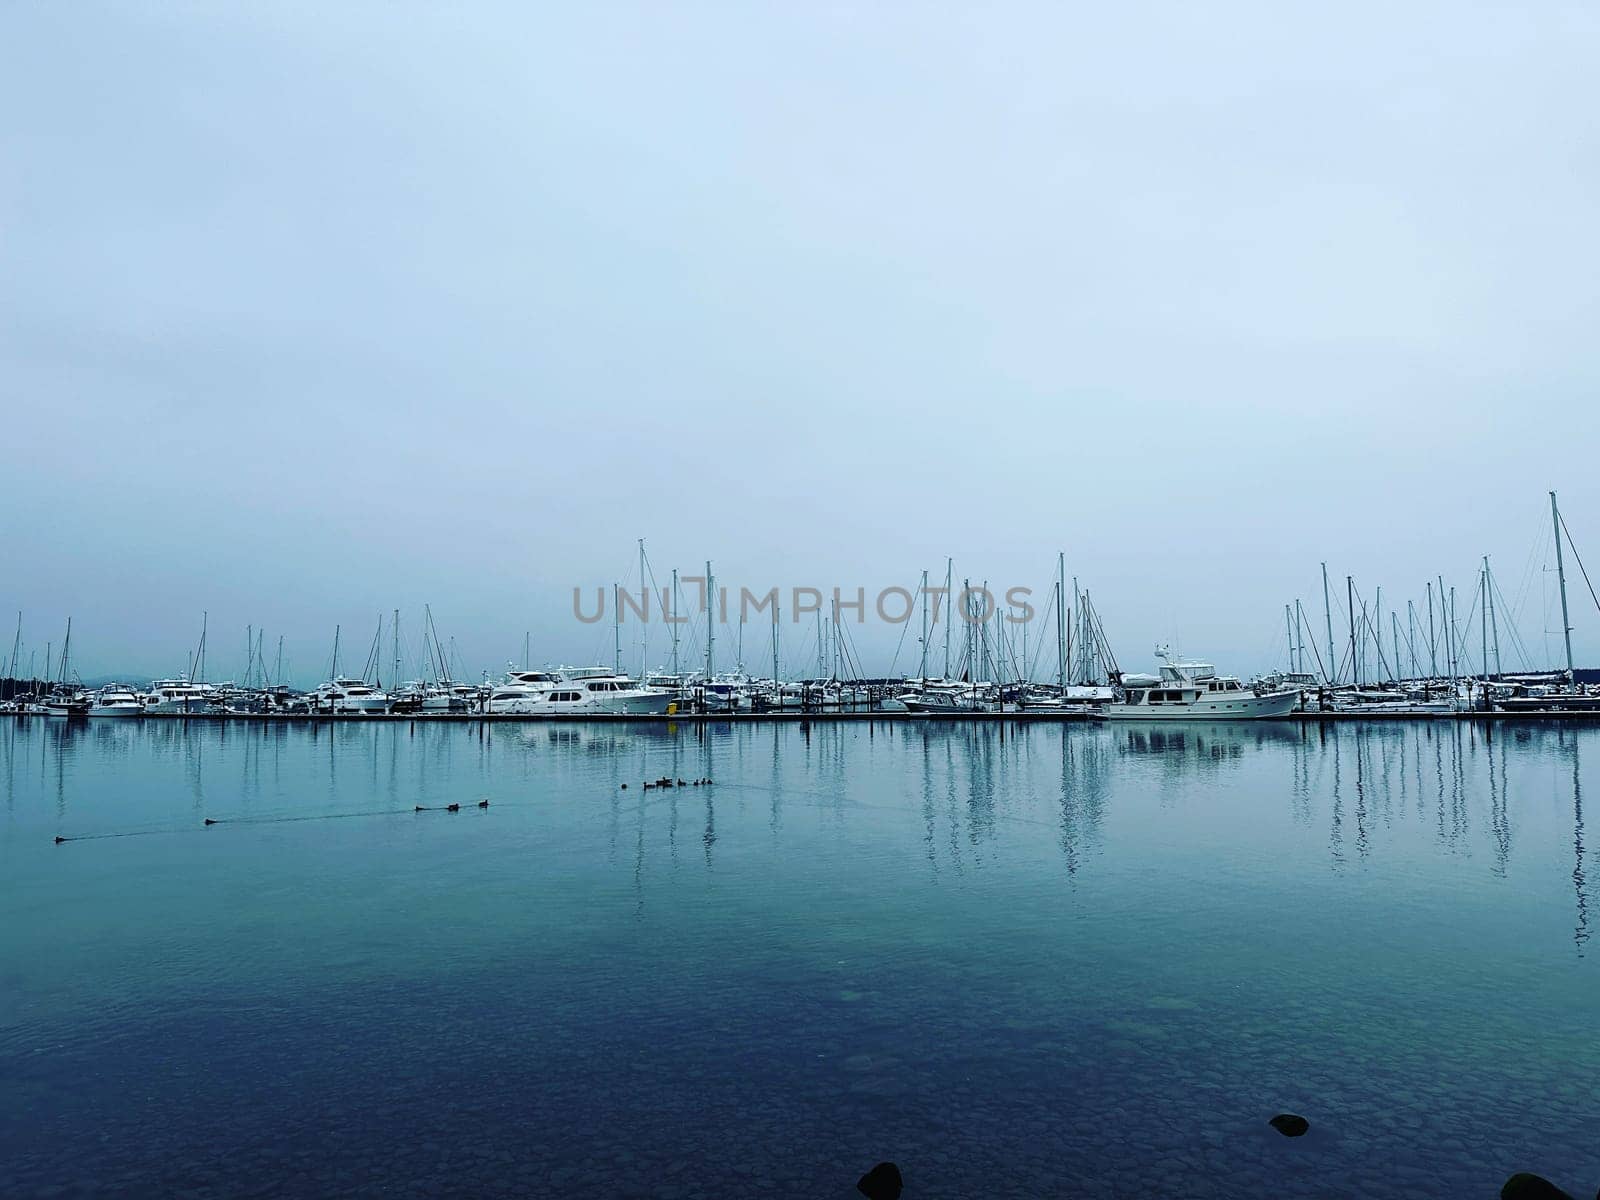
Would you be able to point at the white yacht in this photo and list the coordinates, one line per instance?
(348, 696)
(167, 697)
(946, 695)
(521, 691)
(592, 690)
(1190, 691)
(114, 700)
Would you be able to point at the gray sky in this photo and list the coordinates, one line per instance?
(311, 312)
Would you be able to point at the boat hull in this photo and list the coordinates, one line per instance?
(1227, 706)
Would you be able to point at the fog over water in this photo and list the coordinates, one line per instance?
(309, 313)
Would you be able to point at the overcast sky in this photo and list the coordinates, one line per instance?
(308, 312)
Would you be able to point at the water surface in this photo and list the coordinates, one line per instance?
(1017, 960)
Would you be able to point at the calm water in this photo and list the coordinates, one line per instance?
(1053, 961)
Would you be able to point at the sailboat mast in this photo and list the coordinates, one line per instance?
(711, 624)
(922, 671)
(1327, 616)
(1350, 601)
(644, 620)
(334, 673)
(1494, 628)
(1483, 621)
(675, 625)
(616, 628)
(1299, 637)
(1061, 621)
(1561, 576)
(949, 601)
(1433, 641)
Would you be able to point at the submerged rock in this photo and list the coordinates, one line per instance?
(881, 1183)
(1523, 1186)
(1289, 1124)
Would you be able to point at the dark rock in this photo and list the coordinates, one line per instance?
(1290, 1125)
(1523, 1186)
(881, 1183)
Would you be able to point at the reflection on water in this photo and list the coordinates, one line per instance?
(1361, 781)
(1080, 958)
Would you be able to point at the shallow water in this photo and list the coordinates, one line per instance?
(1018, 960)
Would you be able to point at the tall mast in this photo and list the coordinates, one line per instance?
(777, 687)
(1411, 634)
(1394, 629)
(1483, 621)
(616, 628)
(16, 646)
(1373, 626)
(277, 670)
(1561, 575)
(922, 672)
(1327, 616)
(949, 601)
(1350, 600)
(249, 653)
(1061, 622)
(1450, 650)
(66, 651)
(675, 625)
(711, 623)
(1299, 637)
(200, 657)
(1433, 643)
(1494, 628)
(822, 649)
(334, 674)
(395, 682)
(1288, 625)
(644, 621)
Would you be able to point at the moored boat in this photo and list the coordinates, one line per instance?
(1193, 691)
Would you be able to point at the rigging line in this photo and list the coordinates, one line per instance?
(1511, 625)
(904, 627)
(1039, 645)
(1305, 625)
(1579, 560)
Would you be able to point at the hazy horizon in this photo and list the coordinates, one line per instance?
(309, 314)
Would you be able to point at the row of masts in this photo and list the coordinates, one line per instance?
(986, 649)
(1445, 653)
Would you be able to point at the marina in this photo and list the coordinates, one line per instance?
(987, 672)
